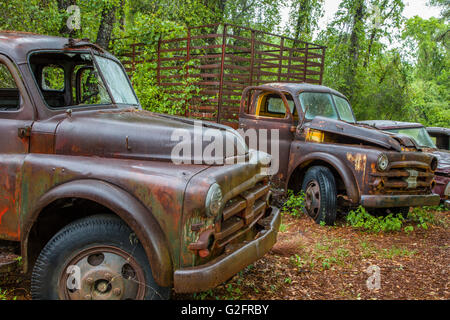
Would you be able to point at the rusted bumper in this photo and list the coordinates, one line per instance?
(213, 273)
(378, 201)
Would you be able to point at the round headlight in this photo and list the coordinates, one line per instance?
(434, 164)
(213, 201)
(382, 162)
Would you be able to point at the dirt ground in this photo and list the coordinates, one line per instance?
(311, 261)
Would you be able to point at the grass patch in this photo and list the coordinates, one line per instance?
(420, 218)
(394, 252)
(4, 295)
(294, 204)
(368, 250)
(423, 218)
(323, 255)
(361, 219)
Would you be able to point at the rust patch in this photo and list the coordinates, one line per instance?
(359, 160)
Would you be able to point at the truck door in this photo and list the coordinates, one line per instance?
(271, 114)
(16, 118)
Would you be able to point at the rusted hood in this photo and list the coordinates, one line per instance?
(362, 133)
(138, 134)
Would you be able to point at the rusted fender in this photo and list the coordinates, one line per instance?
(343, 170)
(138, 218)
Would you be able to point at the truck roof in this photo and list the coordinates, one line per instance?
(17, 44)
(389, 124)
(438, 130)
(296, 88)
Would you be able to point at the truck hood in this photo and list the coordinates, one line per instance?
(362, 133)
(138, 134)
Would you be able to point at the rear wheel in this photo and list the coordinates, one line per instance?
(319, 187)
(95, 258)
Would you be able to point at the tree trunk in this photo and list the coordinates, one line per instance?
(357, 30)
(106, 26)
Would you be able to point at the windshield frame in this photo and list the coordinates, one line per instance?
(333, 105)
(100, 73)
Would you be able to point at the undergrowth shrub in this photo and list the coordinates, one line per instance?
(361, 219)
(294, 204)
(419, 217)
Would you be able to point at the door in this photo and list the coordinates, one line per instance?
(270, 117)
(16, 118)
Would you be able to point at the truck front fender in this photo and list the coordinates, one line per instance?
(342, 169)
(127, 207)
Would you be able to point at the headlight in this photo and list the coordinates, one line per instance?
(213, 202)
(382, 162)
(434, 164)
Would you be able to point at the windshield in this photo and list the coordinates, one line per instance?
(72, 79)
(117, 81)
(344, 109)
(326, 105)
(420, 135)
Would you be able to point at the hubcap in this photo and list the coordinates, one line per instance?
(312, 199)
(102, 273)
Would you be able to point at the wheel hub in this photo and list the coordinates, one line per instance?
(105, 273)
(312, 199)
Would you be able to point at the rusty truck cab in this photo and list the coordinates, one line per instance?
(318, 140)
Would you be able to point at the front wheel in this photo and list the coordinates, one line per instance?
(319, 187)
(95, 258)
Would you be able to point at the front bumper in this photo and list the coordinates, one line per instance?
(391, 201)
(213, 273)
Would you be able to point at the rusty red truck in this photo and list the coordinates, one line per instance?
(89, 191)
(338, 163)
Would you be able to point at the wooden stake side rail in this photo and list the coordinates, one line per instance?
(223, 59)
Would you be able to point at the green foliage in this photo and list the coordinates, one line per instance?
(361, 219)
(294, 204)
(283, 227)
(304, 16)
(422, 218)
(389, 67)
(297, 261)
(5, 293)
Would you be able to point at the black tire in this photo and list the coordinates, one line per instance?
(319, 187)
(83, 236)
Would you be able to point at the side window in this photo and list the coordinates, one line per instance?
(9, 93)
(53, 78)
(272, 105)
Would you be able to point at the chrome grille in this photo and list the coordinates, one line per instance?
(242, 212)
(403, 177)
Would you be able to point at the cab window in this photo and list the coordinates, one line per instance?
(272, 105)
(68, 79)
(9, 93)
(52, 78)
